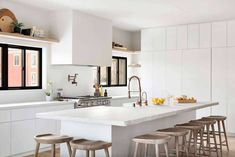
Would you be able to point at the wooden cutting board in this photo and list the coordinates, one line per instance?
(6, 18)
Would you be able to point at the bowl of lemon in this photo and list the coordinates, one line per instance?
(158, 101)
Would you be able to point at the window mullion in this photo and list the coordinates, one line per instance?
(5, 67)
(23, 61)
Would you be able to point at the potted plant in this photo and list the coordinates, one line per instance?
(17, 26)
(48, 96)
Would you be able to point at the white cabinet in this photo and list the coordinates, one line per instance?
(231, 90)
(146, 40)
(205, 35)
(84, 40)
(159, 69)
(171, 37)
(5, 136)
(231, 33)
(219, 34)
(182, 37)
(193, 36)
(5, 116)
(196, 78)
(173, 72)
(146, 72)
(159, 38)
(22, 114)
(219, 80)
(22, 136)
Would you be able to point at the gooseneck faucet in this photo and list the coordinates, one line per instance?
(129, 91)
(145, 97)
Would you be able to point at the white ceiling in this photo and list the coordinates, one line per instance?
(137, 14)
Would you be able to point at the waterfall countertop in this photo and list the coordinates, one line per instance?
(122, 116)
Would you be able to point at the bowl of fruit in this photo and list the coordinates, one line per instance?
(158, 101)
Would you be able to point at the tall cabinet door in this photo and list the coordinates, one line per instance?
(173, 72)
(219, 80)
(196, 70)
(5, 139)
(159, 69)
(231, 90)
(146, 73)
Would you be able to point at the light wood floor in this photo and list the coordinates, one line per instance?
(231, 153)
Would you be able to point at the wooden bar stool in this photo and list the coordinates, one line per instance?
(89, 146)
(208, 131)
(195, 130)
(155, 139)
(177, 133)
(52, 140)
(220, 123)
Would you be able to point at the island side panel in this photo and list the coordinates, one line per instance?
(122, 145)
(85, 130)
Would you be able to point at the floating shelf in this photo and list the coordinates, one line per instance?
(125, 51)
(27, 38)
(134, 65)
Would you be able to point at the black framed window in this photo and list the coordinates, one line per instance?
(116, 75)
(20, 67)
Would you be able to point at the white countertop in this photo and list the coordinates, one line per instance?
(11, 106)
(122, 116)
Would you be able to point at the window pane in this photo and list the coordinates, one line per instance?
(32, 68)
(0, 67)
(122, 71)
(14, 67)
(103, 76)
(114, 78)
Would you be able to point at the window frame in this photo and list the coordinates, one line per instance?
(109, 73)
(23, 62)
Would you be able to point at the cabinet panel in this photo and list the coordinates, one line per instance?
(231, 33)
(173, 72)
(193, 36)
(5, 145)
(5, 116)
(22, 114)
(171, 37)
(205, 35)
(219, 34)
(196, 69)
(159, 79)
(159, 38)
(219, 80)
(146, 40)
(231, 90)
(22, 136)
(146, 72)
(182, 37)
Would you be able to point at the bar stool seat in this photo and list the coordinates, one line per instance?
(89, 145)
(155, 139)
(215, 117)
(52, 140)
(177, 133)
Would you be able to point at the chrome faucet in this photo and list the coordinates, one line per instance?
(139, 102)
(145, 98)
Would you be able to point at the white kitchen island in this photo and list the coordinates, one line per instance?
(120, 124)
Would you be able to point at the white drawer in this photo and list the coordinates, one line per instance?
(53, 108)
(5, 116)
(22, 114)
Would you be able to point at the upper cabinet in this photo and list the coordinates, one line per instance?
(182, 37)
(84, 39)
(193, 36)
(219, 34)
(171, 36)
(231, 33)
(205, 35)
(153, 39)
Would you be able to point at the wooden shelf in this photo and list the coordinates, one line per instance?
(126, 51)
(27, 38)
(134, 65)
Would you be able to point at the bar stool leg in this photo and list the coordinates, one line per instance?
(166, 149)
(69, 148)
(202, 142)
(136, 149)
(87, 153)
(195, 143)
(37, 150)
(213, 132)
(177, 146)
(185, 145)
(53, 150)
(220, 139)
(92, 153)
(106, 150)
(145, 150)
(157, 150)
(190, 139)
(73, 152)
(208, 139)
(225, 135)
